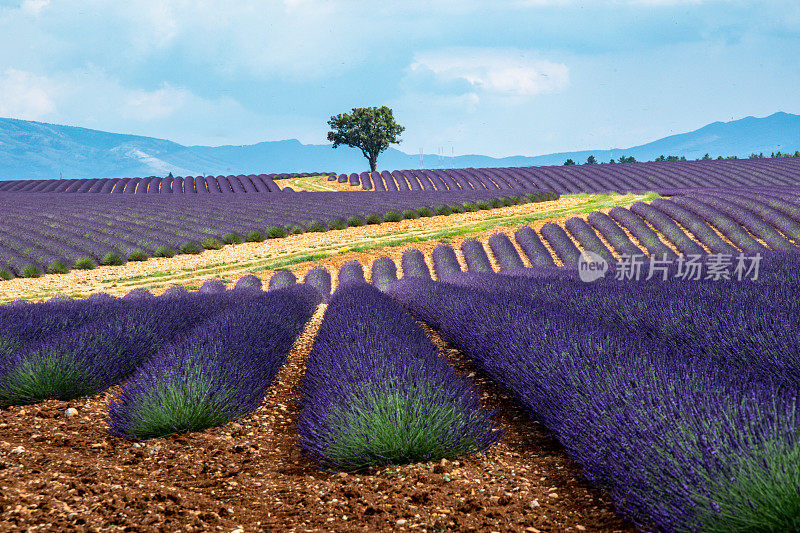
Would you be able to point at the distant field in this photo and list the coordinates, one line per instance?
(699, 222)
(300, 253)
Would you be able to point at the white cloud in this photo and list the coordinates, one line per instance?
(156, 25)
(153, 105)
(86, 92)
(34, 7)
(504, 72)
(24, 95)
(289, 39)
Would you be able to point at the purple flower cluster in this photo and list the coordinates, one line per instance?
(613, 233)
(218, 372)
(377, 392)
(351, 272)
(505, 253)
(587, 238)
(561, 244)
(533, 247)
(445, 261)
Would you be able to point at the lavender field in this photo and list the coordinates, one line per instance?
(56, 232)
(215, 185)
(679, 398)
(620, 177)
(671, 381)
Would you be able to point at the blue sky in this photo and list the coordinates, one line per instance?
(502, 77)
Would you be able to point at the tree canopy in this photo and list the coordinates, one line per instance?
(370, 129)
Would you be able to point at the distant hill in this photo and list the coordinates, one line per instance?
(35, 150)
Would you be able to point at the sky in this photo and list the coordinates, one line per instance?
(499, 77)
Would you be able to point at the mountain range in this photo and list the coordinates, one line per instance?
(36, 150)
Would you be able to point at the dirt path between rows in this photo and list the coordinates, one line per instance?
(59, 474)
(315, 183)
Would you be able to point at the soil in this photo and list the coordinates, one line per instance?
(315, 183)
(59, 474)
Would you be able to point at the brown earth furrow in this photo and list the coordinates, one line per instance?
(249, 474)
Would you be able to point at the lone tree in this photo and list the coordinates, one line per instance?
(371, 129)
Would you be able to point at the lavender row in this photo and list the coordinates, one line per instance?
(504, 252)
(351, 272)
(697, 444)
(614, 234)
(202, 185)
(727, 226)
(625, 177)
(782, 202)
(218, 373)
(643, 233)
(319, 279)
(775, 218)
(94, 344)
(560, 242)
(741, 218)
(44, 232)
(22, 323)
(475, 256)
(696, 225)
(585, 235)
(683, 314)
(445, 261)
(414, 265)
(667, 227)
(377, 392)
(533, 247)
(384, 273)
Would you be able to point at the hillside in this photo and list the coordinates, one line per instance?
(35, 150)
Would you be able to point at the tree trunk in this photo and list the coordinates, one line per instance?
(373, 163)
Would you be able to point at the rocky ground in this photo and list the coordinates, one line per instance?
(62, 473)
